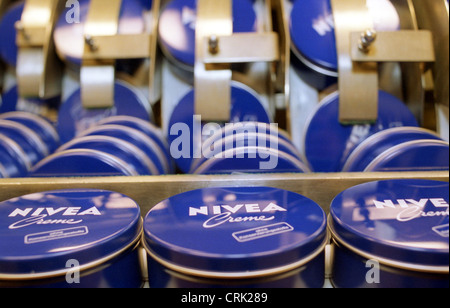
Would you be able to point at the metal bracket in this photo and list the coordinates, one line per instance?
(103, 46)
(39, 72)
(359, 51)
(216, 48)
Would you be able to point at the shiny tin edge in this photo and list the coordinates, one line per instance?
(385, 261)
(237, 275)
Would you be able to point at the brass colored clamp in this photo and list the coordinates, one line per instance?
(39, 73)
(216, 48)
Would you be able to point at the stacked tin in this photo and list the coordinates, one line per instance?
(116, 146)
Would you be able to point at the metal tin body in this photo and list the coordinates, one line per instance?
(236, 237)
(8, 33)
(70, 239)
(391, 234)
(327, 143)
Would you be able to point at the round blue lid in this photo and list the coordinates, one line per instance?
(245, 140)
(145, 127)
(404, 221)
(128, 152)
(69, 34)
(230, 230)
(73, 118)
(8, 33)
(376, 144)
(30, 142)
(252, 159)
(38, 124)
(14, 159)
(40, 232)
(313, 33)
(135, 137)
(327, 142)
(245, 107)
(417, 155)
(81, 163)
(177, 21)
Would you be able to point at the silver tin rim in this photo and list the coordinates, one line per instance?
(236, 275)
(386, 261)
(134, 243)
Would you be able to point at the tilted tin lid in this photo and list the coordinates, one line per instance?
(146, 127)
(74, 118)
(313, 32)
(40, 232)
(135, 137)
(69, 34)
(177, 23)
(417, 155)
(38, 124)
(128, 152)
(183, 126)
(399, 221)
(14, 158)
(30, 142)
(376, 144)
(82, 162)
(327, 142)
(234, 230)
(252, 159)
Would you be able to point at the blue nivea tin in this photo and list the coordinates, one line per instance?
(145, 127)
(135, 137)
(82, 163)
(73, 118)
(246, 140)
(252, 159)
(378, 143)
(391, 234)
(78, 238)
(417, 155)
(314, 42)
(236, 237)
(327, 142)
(8, 33)
(15, 161)
(69, 33)
(122, 149)
(176, 28)
(185, 130)
(38, 124)
(27, 139)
